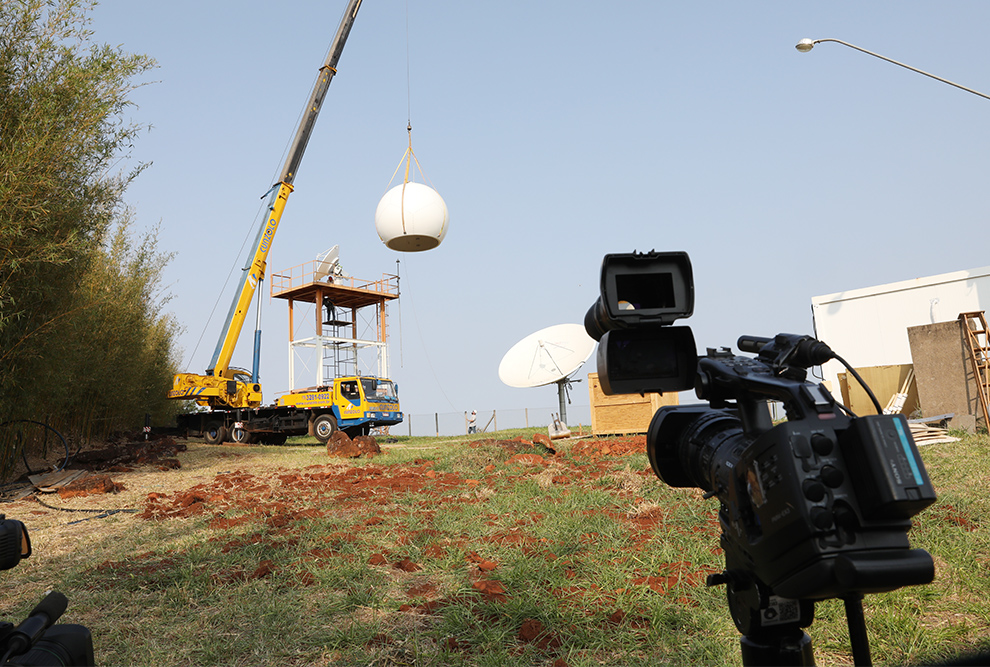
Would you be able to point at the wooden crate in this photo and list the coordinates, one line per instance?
(625, 413)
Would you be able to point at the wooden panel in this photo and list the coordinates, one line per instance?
(944, 370)
(885, 381)
(624, 413)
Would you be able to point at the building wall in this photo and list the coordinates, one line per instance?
(868, 327)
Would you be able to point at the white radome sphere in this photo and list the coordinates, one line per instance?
(411, 217)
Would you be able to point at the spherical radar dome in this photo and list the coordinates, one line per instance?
(411, 217)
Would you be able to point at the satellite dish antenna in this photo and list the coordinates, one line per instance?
(325, 262)
(548, 356)
(328, 266)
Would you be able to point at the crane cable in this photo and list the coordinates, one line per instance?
(409, 156)
(408, 77)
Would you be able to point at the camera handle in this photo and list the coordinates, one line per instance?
(771, 626)
(778, 373)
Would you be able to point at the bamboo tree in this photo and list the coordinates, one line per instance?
(82, 330)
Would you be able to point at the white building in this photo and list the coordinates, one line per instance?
(868, 327)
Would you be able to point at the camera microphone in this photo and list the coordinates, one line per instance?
(752, 344)
(812, 352)
(42, 617)
(788, 349)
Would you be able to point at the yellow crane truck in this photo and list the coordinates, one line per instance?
(233, 396)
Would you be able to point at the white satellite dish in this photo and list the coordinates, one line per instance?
(328, 267)
(325, 262)
(548, 356)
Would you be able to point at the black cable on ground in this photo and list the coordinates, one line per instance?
(103, 513)
(68, 456)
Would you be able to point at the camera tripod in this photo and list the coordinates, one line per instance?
(772, 627)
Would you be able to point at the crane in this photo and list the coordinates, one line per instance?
(353, 404)
(222, 386)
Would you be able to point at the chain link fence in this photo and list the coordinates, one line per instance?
(437, 424)
(456, 423)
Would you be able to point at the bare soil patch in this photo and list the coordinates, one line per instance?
(263, 499)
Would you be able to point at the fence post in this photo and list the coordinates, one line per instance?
(495, 419)
(436, 419)
(409, 417)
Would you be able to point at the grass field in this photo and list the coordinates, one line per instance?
(454, 552)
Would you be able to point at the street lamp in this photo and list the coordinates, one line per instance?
(806, 45)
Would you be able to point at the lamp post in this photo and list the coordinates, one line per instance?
(806, 45)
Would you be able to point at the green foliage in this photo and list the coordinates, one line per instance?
(83, 341)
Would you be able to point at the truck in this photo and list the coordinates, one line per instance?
(352, 404)
(230, 399)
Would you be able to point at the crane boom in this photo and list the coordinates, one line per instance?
(217, 387)
(319, 92)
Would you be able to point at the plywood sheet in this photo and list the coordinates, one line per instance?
(623, 413)
(52, 481)
(885, 381)
(945, 373)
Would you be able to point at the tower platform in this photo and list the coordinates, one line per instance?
(336, 339)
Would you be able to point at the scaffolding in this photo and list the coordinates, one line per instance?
(350, 318)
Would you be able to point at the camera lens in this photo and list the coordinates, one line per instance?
(14, 543)
(683, 442)
(596, 321)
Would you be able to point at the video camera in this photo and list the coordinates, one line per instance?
(37, 640)
(813, 508)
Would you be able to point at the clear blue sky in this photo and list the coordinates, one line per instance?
(558, 131)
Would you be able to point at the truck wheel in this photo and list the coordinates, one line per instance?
(274, 439)
(215, 432)
(240, 436)
(324, 426)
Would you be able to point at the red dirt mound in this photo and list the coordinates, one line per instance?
(340, 444)
(514, 446)
(89, 485)
(635, 444)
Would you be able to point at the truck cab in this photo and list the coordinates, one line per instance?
(353, 404)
